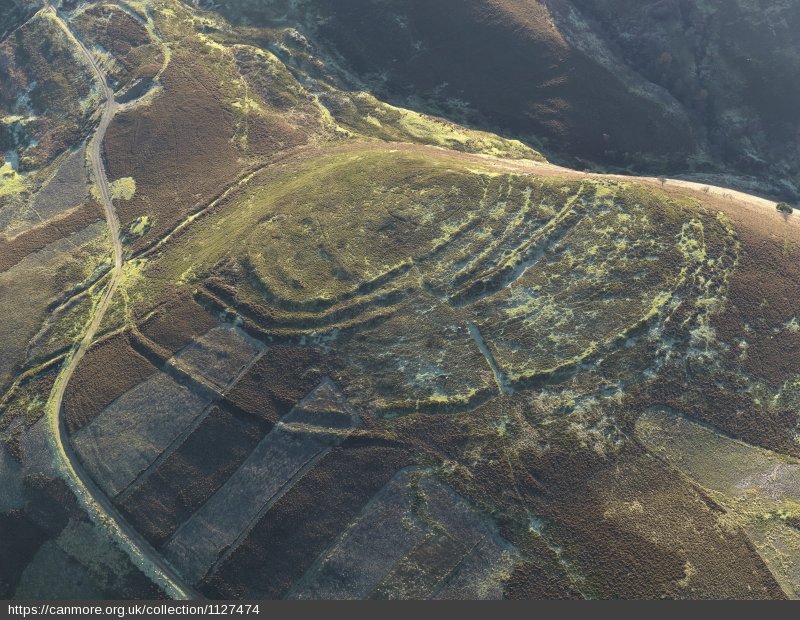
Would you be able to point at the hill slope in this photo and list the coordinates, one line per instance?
(355, 350)
(663, 87)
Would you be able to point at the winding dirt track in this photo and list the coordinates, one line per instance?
(93, 500)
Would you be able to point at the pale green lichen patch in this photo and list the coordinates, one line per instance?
(11, 182)
(123, 189)
(140, 226)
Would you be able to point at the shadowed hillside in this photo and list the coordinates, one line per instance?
(297, 305)
(658, 86)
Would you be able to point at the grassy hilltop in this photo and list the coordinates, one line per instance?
(361, 346)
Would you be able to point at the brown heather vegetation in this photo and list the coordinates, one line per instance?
(192, 141)
(177, 322)
(763, 300)
(178, 149)
(496, 321)
(14, 249)
(715, 400)
(630, 514)
(39, 60)
(127, 40)
(599, 522)
(278, 380)
(530, 581)
(192, 473)
(757, 342)
(304, 521)
(110, 369)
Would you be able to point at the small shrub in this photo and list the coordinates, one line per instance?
(784, 207)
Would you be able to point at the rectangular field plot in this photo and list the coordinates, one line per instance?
(318, 422)
(127, 436)
(758, 488)
(305, 521)
(477, 565)
(189, 476)
(381, 535)
(221, 354)
(68, 188)
(718, 462)
(109, 369)
(419, 572)
(278, 381)
(395, 549)
(178, 323)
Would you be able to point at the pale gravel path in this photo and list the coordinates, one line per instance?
(99, 508)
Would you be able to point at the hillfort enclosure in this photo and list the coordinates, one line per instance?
(475, 299)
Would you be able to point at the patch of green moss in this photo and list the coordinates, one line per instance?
(364, 115)
(123, 189)
(11, 182)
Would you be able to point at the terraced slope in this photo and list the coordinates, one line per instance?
(502, 323)
(348, 350)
